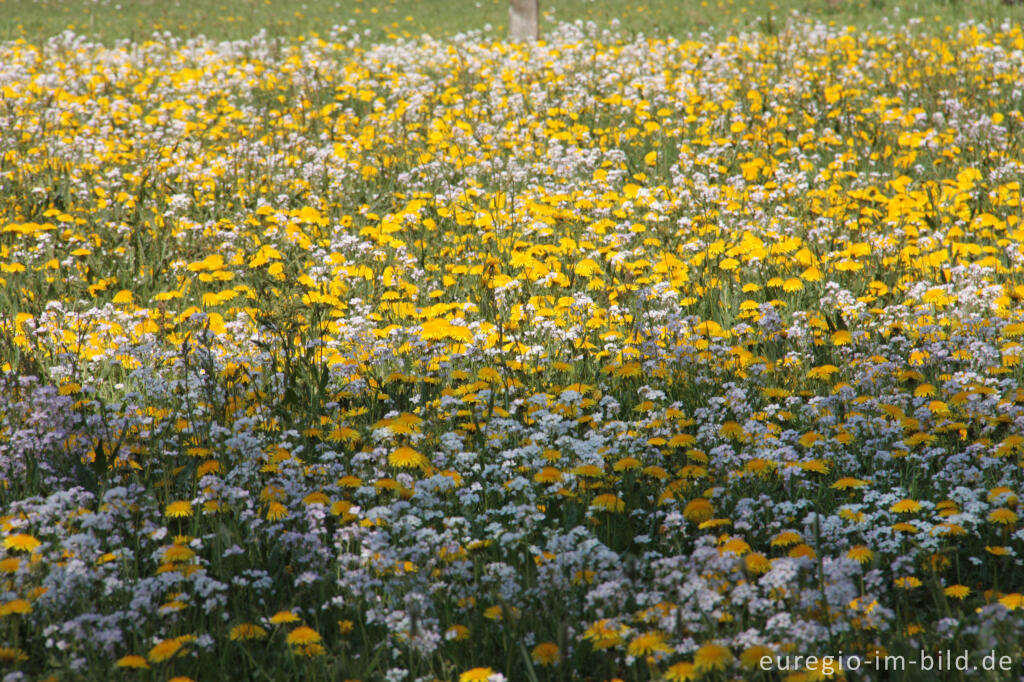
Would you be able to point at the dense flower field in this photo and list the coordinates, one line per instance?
(600, 357)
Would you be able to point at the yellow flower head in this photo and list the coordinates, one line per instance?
(609, 502)
(179, 509)
(848, 482)
(178, 553)
(712, 657)
(407, 458)
(165, 650)
(648, 643)
(476, 675)
(18, 606)
(1003, 516)
(698, 510)
(22, 542)
(246, 631)
(906, 506)
(276, 511)
(684, 671)
(132, 661)
(545, 653)
(457, 632)
(303, 635)
(605, 634)
(957, 591)
(757, 563)
(860, 554)
(284, 617)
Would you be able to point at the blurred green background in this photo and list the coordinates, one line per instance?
(110, 20)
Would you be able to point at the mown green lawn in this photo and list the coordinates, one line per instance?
(109, 20)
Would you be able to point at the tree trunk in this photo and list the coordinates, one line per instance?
(523, 20)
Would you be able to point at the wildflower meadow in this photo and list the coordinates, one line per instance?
(339, 356)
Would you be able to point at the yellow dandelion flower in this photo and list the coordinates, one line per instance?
(178, 553)
(341, 507)
(303, 635)
(165, 650)
(924, 391)
(851, 515)
(948, 528)
(123, 296)
(728, 264)
(132, 661)
(996, 492)
(276, 511)
(786, 538)
(605, 634)
(647, 643)
(588, 471)
(545, 653)
(457, 632)
(15, 606)
(904, 527)
(822, 372)
(816, 466)
(12, 655)
(247, 631)
(284, 617)
(734, 545)
(848, 482)
(316, 497)
(860, 554)
(315, 649)
(810, 438)
(957, 591)
(698, 510)
(757, 563)
(1012, 601)
(803, 550)
(842, 338)
(548, 475)
(684, 671)
(476, 675)
(583, 576)
(905, 506)
(22, 542)
(711, 657)
(178, 509)
(627, 464)
(1003, 516)
(655, 471)
(407, 458)
(609, 502)
(751, 657)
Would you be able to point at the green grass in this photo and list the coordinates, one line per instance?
(110, 20)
